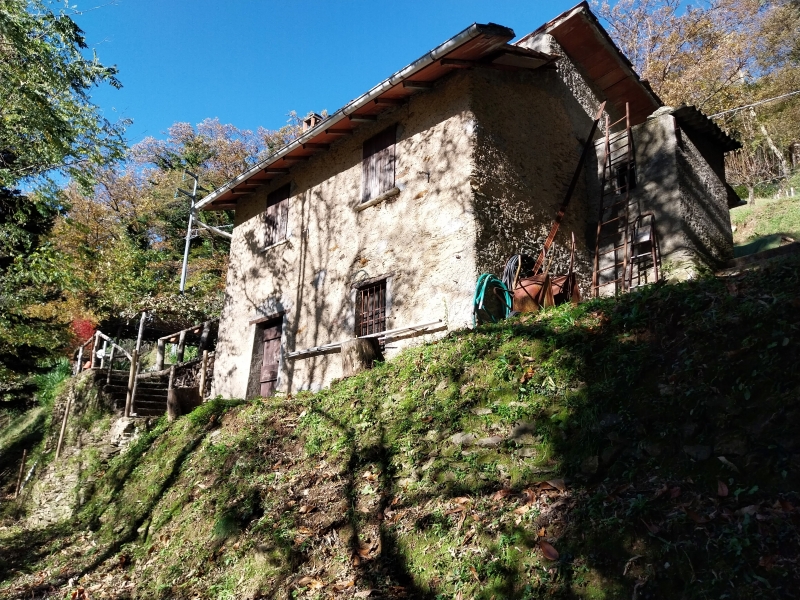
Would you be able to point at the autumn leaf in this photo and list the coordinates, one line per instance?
(550, 553)
(675, 492)
(722, 489)
(474, 573)
(500, 494)
(696, 517)
(558, 484)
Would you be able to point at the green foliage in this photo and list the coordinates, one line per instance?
(47, 119)
(49, 384)
(32, 277)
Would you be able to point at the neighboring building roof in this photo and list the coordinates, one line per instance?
(477, 46)
(590, 47)
(692, 119)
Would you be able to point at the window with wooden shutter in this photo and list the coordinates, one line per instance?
(378, 164)
(371, 308)
(276, 216)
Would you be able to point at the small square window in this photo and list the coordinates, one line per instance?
(371, 308)
(624, 178)
(377, 166)
(276, 216)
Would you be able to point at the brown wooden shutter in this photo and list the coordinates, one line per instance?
(276, 216)
(377, 167)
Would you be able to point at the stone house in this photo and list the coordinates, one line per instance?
(377, 220)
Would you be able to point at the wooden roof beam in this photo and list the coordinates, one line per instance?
(296, 158)
(363, 118)
(276, 171)
(313, 146)
(338, 131)
(417, 85)
(390, 101)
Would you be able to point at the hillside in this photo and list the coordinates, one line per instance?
(763, 226)
(641, 447)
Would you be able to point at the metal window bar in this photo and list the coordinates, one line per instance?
(371, 309)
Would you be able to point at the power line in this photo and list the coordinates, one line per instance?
(725, 112)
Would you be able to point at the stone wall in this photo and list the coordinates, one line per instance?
(687, 197)
(422, 238)
(529, 141)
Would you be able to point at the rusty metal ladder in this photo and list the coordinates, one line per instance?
(626, 249)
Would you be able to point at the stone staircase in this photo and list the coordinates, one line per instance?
(151, 392)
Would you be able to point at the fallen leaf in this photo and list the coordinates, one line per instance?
(541, 532)
(461, 500)
(695, 517)
(474, 573)
(767, 562)
(310, 582)
(722, 489)
(651, 527)
(728, 464)
(558, 484)
(748, 510)
(343, 585)
(500, 494)
(547, 549)
(675, 492)
(363, 594)
(786, 506)
(522, 510)
(364, 550)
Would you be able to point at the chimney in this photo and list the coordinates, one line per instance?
(310, 121)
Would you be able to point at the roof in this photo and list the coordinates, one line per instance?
(477, 46)
(693, 119)
(590, 47)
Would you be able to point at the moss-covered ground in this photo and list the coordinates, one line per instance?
(640, 447)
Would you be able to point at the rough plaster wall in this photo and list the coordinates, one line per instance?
(424, 237)
(530, 137)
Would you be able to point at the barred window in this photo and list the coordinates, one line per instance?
(276, 216)
(371, 308)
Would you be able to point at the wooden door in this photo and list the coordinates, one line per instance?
(270, 358)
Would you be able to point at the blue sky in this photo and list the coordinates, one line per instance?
(249, 62)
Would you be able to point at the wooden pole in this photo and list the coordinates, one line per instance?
(160, 354)
(64, 425)
(95, 343)
(141, 331)
(21, 470)
(181, 347)
(103, 358)
(110, 364)
(204, 336)
(131, 383)
(203, 366)
(79, 366)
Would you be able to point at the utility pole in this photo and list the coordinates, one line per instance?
(192, 219)
(192, 199)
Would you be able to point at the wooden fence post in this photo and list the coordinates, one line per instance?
(160, 354)
(203, 367)
(181, 347)
(103, 358)
(110, 363)
(131, 383)
(21, 470)
(204, 336)
(64, 424)
(79, 366)
(94, 348)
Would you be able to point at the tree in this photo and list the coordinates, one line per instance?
(47, 120)
(32, 277)
(47, 124)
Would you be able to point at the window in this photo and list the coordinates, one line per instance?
(371, 308)
(377, 175)
(624, 178)
(276, 216)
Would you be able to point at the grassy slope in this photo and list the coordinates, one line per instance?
(599, 430)
(760, 227)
